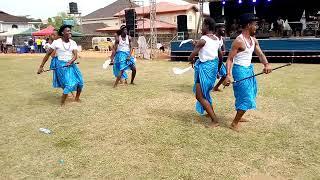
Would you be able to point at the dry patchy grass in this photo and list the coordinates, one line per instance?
(151, 130)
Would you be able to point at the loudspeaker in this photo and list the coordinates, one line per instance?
(73, 8)
(182, 23)
(215, 9)
(131, 21)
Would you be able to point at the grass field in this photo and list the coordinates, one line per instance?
(151, 130)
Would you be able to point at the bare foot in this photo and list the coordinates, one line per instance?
(132, 83)
(235, 127)
(212, 125)
(62, 104)
(71, 96)
(77, 100)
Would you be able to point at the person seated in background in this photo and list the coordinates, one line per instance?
(280, 26)
(160, 47)
(234, 27)
(318, 25)
(264, 26)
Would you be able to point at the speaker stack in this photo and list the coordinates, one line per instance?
(182, 25)
(131, 21)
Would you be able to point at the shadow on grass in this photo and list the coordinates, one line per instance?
(189, 117)
(181, 88)
(100, 82)
(47, 97)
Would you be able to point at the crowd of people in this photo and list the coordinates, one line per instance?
(280, 27)
(32, 45)
(38, 45)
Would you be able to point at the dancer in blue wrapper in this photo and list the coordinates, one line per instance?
(122, 58)
(245, 91)
(206, 69)
(68, 78)
(54, 58)
(222, 73)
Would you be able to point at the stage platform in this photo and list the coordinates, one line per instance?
(298, 50)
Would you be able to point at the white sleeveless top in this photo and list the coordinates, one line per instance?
(210, 50)
(123, 45)
(220, 42)
(244, 58)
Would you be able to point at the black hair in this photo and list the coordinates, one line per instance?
(119, 32)
(210, 23)
(244, 24)
(62, 29)
(246, 19)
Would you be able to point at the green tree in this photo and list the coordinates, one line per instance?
(57, 21)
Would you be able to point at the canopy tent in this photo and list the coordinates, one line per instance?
(28, 31)
(49, 30)
(12, 32)
(25, 31)
(44, 32)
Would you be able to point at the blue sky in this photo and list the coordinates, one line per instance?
(49, 8)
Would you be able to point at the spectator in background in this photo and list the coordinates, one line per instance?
(160, 47)
(39, 44)
(5, 48)
(47, 45)
(264, 26)
(43, 43)
(234, 27)
(31, 45)
(1, 46)
(280, 26)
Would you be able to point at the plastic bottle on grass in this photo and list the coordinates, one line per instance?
(44, 130)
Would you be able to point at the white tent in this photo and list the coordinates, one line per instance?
(20, 31)
(8, 36)
(13, 32)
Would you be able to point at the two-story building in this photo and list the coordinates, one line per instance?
(104, 17)
(166, 12)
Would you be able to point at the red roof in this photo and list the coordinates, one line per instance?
(159, 25)
(44, 32)
(162, 7)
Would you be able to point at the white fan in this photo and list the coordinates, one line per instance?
(106, 64)
(179, 71)
(185, 41)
